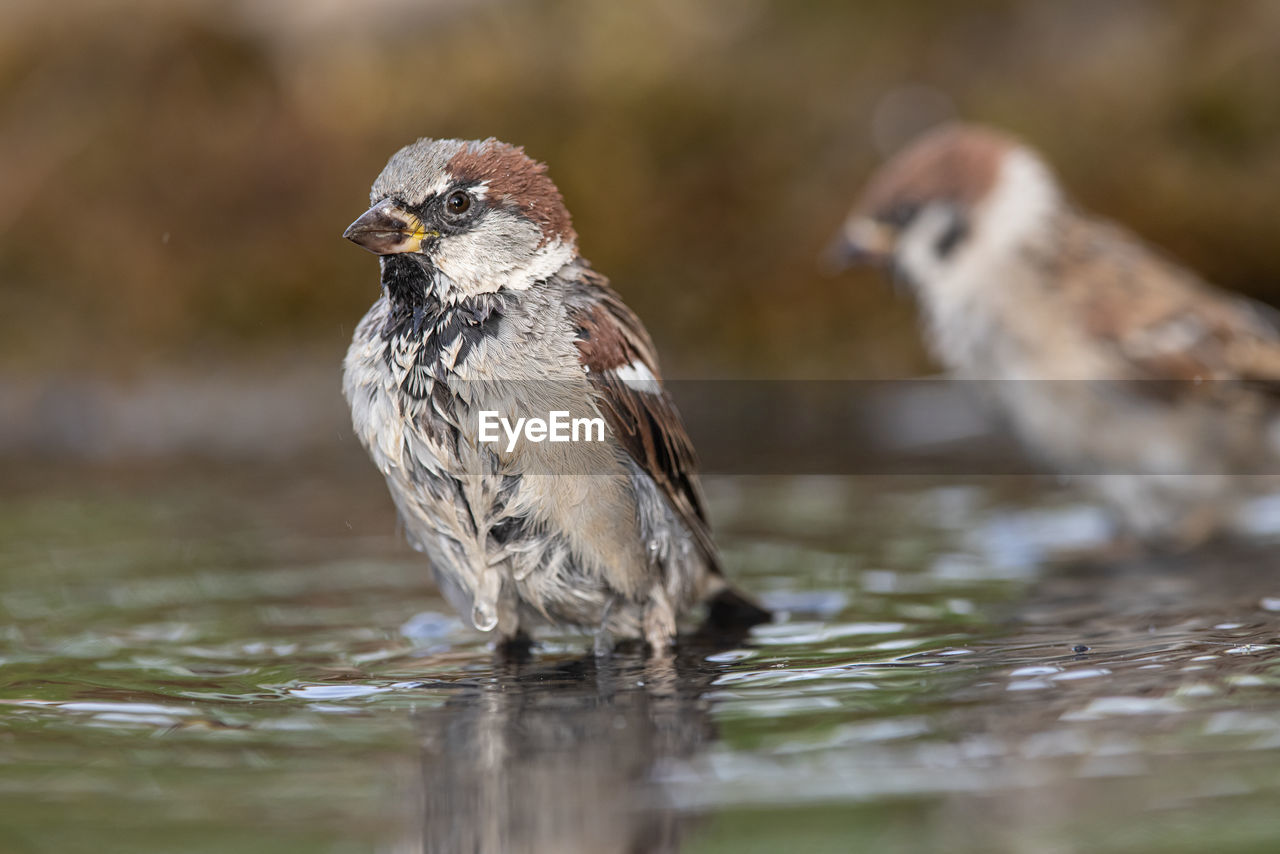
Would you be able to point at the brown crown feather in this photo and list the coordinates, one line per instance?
(956, 162)
(518, 181)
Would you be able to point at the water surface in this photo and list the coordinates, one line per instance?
(201, 661)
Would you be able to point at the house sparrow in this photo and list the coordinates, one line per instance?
(487, 307)
(1073, 318)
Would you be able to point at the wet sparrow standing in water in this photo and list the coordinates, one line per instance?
(487, 306)
(1108, 358)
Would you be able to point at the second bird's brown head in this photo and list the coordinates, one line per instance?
(452, 219)
(957, 191)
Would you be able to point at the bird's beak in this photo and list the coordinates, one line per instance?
(387, 229)
(863, 242)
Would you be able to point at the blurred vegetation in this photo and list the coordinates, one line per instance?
(174, 176)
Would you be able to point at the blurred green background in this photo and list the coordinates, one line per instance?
(174, 176)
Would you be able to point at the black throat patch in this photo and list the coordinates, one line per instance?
(438, 336)
(408, 281)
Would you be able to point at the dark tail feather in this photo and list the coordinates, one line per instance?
(730, 612)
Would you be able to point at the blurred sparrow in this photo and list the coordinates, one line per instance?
(1108, 358)
(486, 306)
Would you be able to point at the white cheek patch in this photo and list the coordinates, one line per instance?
(1024, 197)
(638, 377)
(917, 248)
(500, 251)
(546, 260)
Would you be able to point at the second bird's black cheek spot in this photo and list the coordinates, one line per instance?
(955, 233)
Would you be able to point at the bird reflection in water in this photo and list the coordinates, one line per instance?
(561, 757)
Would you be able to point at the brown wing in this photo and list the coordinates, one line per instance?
(1161, 320)
(619, 358)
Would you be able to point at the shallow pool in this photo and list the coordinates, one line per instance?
(249, 660)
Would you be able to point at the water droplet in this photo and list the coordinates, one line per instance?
(484, 616)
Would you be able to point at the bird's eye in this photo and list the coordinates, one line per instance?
(457, 202)
(900, 215)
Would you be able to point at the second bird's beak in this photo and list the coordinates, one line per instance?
(863, 242)
(388, 229)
